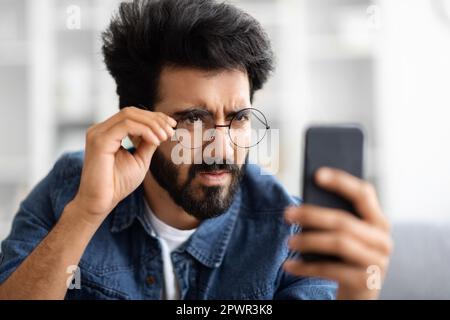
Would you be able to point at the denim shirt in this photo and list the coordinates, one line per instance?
(238, 255)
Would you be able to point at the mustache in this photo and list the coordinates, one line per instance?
(204, 167)
(195, 168)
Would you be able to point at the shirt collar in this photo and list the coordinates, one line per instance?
(207, 245)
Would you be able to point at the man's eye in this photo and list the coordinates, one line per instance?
(242, 117)
(191, 119)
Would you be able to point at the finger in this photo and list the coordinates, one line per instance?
(340, 245)
(359, 192)
(154, 122)
(132, 128)
(145, 152)
(169, 120)
(165, 126)
(314, 217)
(159, 131)
(343, 274)
(159, 122)
(138, 115)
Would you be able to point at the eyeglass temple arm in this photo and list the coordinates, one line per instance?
(264, 122)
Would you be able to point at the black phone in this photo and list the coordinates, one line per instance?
(340, 147)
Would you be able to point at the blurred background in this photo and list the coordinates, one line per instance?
(382, 63)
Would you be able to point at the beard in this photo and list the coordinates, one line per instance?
(201, 202)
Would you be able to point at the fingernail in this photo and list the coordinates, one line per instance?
(324, 175)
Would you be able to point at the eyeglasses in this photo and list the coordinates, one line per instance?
(246, 129)
(195, 128)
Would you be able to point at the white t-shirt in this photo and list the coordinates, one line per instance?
(170, 239)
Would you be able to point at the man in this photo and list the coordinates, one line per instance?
(135, 224)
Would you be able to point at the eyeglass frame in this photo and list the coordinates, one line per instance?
(215, 126)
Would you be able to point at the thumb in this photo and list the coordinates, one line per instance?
(145, 151)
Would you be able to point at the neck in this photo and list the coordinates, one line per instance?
(164, 208)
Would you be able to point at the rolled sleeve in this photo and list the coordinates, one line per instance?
(33, 221)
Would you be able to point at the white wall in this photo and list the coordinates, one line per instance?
(414, 111)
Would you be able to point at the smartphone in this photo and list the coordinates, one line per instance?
(340, 147)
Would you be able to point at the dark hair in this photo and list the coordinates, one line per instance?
(146, 35)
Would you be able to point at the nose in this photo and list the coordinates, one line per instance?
(221, 144)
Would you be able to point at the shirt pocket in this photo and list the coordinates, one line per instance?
(102, 283)
(95, 291)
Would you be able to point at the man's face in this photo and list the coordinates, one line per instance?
(203, 190)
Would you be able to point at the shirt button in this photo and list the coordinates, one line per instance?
(150, 280)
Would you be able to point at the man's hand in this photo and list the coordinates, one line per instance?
(111, 173)
(364, 245)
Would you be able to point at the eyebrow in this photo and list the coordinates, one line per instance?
(189, 110)
(202, 109)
